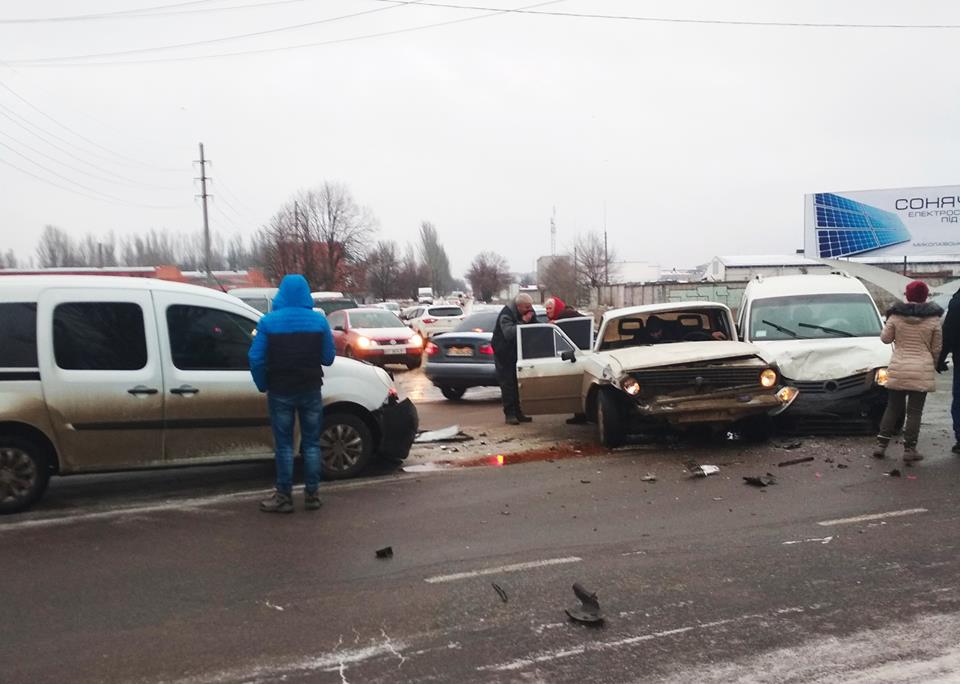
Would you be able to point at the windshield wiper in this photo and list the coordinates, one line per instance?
(825, 329)
(773, 325)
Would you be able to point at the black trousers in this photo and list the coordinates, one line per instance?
(898, 403)
(509, 392)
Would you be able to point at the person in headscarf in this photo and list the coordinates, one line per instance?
(913, 328)
(557, 310)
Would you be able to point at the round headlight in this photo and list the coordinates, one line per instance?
(881, 376)
(364, 342)
(768, 378)
(630, 386)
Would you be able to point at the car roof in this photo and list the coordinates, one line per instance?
(31, 286)
(809, 284)
(253, 291)
(660, 308)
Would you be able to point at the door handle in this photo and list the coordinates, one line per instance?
(184, 389)
(142, 389)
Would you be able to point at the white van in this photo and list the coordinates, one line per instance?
(100, 374)
(823, 331)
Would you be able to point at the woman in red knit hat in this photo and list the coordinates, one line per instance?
(913, 327)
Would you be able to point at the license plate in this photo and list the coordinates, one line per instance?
(395, 350)
(459, 351)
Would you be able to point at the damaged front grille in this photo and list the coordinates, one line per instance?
(694, 379)
(830, 386)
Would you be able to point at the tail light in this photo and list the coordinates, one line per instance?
(432, 349)
(428, 321)
(486, 349)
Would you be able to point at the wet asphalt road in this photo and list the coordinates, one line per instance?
(175, 577)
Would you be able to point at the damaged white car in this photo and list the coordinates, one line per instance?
(824, 333)
(658, 365)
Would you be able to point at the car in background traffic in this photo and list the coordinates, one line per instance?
(463, 357)
(328, 306)
(392, 307)
(375, 336)
(260, 298)
(428, 321)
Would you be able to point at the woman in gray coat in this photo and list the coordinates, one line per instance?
(913, 327)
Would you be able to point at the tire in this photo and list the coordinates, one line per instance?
(453, 393)
(24, 472)
(414, 365)
(346, 446)
(610, 420)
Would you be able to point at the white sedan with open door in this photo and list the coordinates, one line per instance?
(666, 365)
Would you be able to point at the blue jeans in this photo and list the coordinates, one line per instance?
(283, 409)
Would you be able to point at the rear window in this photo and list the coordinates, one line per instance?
(99, 336)
(445, 311)
(18, 335)
(328, 306)
(481, 322)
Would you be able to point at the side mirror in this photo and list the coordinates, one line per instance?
(569, 355)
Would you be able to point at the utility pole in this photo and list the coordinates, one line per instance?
(206, 222)
(553, 232)
(606, 253)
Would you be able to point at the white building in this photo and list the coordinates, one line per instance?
(743, 268)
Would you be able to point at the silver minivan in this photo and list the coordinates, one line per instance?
(107, 373)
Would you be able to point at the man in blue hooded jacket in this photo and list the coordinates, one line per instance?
(292, 344)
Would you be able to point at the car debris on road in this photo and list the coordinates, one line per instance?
(760, 480)
(385, 552)
(697, 470)
(447, 434)
(795, 461)
(588, 612)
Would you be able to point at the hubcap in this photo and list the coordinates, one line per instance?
(18, 474)
(342, 447)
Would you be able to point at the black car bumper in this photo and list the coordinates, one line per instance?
(854, 410)
(399, 422)
(462, 374)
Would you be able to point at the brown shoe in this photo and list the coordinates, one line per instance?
(311, 501)
(910, 455)
(278, 503)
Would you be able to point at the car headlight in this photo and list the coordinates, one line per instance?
(787, 394)
(630, 386)
(881, 377)
(415, 341)
(364, 342)
(768, 378)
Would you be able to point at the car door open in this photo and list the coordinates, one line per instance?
(549, 371)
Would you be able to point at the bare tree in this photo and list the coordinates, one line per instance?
(412, 274)
(9, 260)
(434, 257)
(559, 277)
(489, 273)
(594, 260)
(342, 227)
(94, 250)
(55, 248)
(383, 269)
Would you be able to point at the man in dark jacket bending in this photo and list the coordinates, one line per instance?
(292, 344)
(505, 354)
(951, 345)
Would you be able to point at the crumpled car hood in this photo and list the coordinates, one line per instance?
(634, 358)
(827, 359)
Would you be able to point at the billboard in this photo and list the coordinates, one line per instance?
(900, 222)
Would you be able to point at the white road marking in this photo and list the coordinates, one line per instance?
(181, 505)
(516, 567)
(872, 516)
(822, 540)
(273, 605)
(547, 656)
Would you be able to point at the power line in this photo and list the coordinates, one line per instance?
(102, 195)
(675, 20)
(284, 48)
(105, 15)
(213, 41)
(70, 130)
(27, 126)
(149, 13)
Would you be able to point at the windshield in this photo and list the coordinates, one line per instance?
(810, 317)
(374, 319)
(328, 306)
(479, 322)
(445, 311)
(664, 327)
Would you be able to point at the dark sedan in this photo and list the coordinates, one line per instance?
(463, 358)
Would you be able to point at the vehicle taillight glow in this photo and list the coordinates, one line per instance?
(428, 321)
(415, 341)
(432, 349)
(486, 349)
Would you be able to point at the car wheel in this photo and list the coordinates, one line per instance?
(346, 444)
(413, 365)
(610, 420)
(24, 473)
(453, 393)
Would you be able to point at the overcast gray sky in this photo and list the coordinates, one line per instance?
(701, 139)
